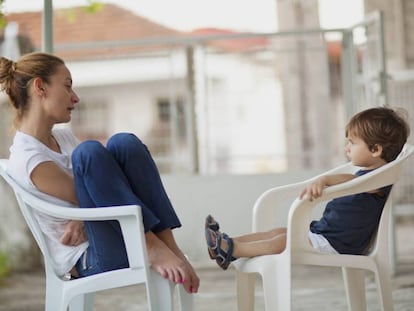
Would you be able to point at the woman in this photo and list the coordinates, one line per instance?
(51, 163)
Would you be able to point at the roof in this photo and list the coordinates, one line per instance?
(115, 24)
(76, 25)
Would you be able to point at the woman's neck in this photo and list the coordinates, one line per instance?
(42, 132)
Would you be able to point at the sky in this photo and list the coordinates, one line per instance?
(241, 15)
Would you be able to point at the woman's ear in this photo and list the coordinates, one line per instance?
(38, 87)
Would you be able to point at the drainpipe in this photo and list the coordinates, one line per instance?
(10, 46)
(191, 96)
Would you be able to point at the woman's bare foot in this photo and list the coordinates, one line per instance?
(192, 283)
(163, 260)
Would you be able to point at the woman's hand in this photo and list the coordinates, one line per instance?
(74, 234)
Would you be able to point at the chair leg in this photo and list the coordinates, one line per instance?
(54, 305)
(54, 300)
(82, 302)
(159, 293)
(245, 290)
(354, 280)
(185, 300)
(384, 287)
(392, 254)
(277, 287)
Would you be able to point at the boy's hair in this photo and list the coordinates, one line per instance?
(380, 126)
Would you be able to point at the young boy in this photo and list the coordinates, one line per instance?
(374, 137)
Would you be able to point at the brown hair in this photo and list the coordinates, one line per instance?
(16, 77)
(381, 126)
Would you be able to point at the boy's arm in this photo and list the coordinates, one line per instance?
(314, 189)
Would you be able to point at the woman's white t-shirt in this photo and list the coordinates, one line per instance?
(25, 154)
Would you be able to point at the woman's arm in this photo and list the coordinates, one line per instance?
(314, 189)
(51, 179)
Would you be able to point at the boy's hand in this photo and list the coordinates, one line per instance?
(314, 189)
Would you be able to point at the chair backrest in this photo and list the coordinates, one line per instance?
(382, 233)
(25, 201)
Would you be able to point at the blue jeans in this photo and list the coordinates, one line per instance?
(121, 173)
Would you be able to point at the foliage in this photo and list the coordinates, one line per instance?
(4, 265)
(2, 21)
(92, 6)
(2, 18)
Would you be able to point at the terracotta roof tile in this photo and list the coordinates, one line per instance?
(112, 23)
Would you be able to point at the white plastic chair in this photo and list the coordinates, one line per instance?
(78, 293)
(274, 208)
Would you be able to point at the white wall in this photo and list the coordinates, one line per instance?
(228, 198)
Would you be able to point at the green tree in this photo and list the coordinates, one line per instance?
(91, 7)
(2, 19)
(4, 265)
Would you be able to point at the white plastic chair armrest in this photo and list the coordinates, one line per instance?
(300, 211)
(128, 216)
(275, 202)
(76, 213)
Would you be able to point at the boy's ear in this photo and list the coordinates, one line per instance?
(376, 150)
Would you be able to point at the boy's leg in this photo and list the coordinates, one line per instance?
(259, 236)
(274, 245)
(211, 223)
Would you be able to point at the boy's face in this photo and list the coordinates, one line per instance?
(359, 154)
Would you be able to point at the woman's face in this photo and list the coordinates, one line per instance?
(60, 99)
